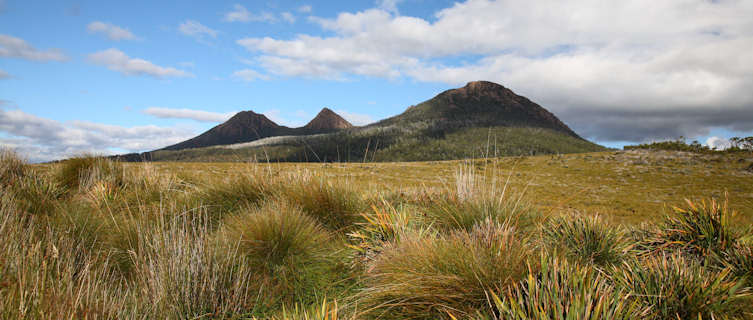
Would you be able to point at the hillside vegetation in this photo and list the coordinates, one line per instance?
(91, 238)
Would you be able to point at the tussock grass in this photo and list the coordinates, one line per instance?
(476, 197)
(182, 274)
(87, 171)
(137, 242)
(433, 277)
(334, 206)
(677, 287)
(293, 256)
(46, 274)
(12, 167)
(585, 239)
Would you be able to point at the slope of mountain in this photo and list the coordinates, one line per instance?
(480, 119)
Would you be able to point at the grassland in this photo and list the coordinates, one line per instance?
(581, 236)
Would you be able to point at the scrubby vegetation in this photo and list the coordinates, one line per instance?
(736, 145)
(94, 239)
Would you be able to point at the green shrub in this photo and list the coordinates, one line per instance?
(435, 276)
(564, 290)
(585, 239)
(676, 287)
(292, 254)
(700, 230)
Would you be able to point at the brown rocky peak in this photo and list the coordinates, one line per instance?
(483, 88)
(328, 120)
(250, 118)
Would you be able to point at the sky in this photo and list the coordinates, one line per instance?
(130, 76)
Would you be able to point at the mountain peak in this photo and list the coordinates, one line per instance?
(328, 120)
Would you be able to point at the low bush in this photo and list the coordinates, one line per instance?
(565, 290)
(700, 229)
(676, 287)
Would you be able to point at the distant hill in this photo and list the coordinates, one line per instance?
(480, 119)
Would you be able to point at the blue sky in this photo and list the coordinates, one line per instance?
(107, 77)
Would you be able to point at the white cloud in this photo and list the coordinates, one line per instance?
(389, 5)
(197, 30)
(116, 60)
(249, 75)
(198, 115)
(42, 139)
(4, 75)
(12, 47)
(718, 143)
(241, 14)
(304, 9)
(356, 119)
(111, 31)
(288, 17)
(612, 70)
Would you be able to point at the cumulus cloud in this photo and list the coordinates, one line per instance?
(198, 115)
(12, 47)
(116, 60)
(4, 75)
(614, 71)
(389, 5)
(241, 14)
(718, 143)
(249, 75)
(110, 31)
(42, 139)
(196, 30)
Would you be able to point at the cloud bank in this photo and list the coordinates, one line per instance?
(42, 139)
(614, 71)
(197, 115)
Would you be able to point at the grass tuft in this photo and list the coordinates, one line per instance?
(292, 254)
(434, 277)
(585, 239)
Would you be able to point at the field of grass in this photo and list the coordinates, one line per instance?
(581, 236)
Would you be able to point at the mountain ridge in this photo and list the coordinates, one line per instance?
(448, 126)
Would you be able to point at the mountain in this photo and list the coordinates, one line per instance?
(480, 104)
(247, 126)
(478, 120)
(327, 120)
